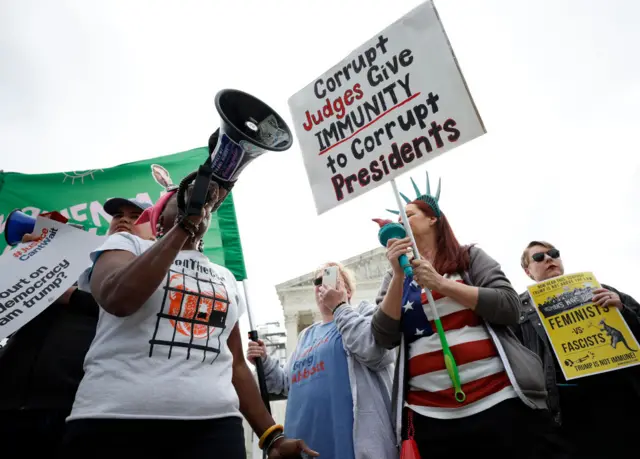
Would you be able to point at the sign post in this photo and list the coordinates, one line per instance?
(393, 104)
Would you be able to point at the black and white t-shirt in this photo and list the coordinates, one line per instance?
(170, 359)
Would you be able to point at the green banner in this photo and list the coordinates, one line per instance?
(80, 195)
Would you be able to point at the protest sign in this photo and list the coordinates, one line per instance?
(587, 339)
(35, 274)
(394, 103)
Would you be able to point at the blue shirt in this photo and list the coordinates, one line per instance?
(319, 405)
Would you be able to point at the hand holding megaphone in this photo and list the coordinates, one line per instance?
(396, 250)
(248, 129)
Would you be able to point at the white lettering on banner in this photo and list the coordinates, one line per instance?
(36, 274)
(79, 212)
(394, 103)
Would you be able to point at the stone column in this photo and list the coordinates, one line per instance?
(291, 324)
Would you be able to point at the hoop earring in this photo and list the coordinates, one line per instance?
(159, 231)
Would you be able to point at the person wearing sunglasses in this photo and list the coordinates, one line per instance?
(575, 404)
(337, 380)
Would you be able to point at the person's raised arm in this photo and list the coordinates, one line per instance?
(385, 323)
(122, 282)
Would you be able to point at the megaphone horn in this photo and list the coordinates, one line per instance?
(248, 128)
(18, 224)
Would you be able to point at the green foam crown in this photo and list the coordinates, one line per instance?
(431, 201)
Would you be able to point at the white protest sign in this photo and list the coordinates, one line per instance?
(35, 274)
(394, 103)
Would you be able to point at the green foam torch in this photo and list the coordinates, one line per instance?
(449, 361)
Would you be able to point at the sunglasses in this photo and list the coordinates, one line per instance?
(538, 257)
(317, 281)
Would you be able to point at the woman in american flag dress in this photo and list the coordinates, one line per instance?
(504, 412)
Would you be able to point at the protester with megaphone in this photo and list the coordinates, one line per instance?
(167, 361)
(41, 365)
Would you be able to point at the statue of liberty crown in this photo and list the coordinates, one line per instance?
(431, 201)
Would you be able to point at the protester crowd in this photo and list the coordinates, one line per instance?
(144, 355)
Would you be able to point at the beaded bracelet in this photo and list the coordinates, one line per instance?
(273, 442)
(188, 226)
(267, 433)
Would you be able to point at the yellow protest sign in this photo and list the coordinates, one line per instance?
(587, 339)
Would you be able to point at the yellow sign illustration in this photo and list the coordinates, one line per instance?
(587, 338)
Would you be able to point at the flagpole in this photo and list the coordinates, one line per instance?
(450, 363)
(253, 336)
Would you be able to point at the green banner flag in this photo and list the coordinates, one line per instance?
(80, 195)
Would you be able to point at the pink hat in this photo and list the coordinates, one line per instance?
(151, 215)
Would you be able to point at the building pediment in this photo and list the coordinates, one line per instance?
(370, 265)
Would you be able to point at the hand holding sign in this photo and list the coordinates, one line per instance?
(425, 274)
(604, 297)
(38, 273)
(19, 222)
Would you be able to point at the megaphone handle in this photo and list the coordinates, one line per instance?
(198, 197)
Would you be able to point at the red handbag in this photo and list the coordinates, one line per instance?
(409, 449)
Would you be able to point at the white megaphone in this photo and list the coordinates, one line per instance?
(248, 128)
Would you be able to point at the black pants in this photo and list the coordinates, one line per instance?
(507, 430)
(600, 423)
(122, 438)
(40, 431)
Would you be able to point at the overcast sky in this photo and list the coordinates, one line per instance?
(87, 84)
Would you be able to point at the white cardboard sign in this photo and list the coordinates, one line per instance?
(394, 103)
(35, 274)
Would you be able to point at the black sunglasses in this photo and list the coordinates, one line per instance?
(317, 281)
(538, 257)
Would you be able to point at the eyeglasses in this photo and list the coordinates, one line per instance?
(538, 257)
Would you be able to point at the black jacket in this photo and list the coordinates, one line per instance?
(41, 364)
(532, 334)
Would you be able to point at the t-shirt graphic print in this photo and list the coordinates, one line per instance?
(196, 306)
(169, 359)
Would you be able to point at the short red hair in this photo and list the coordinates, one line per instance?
(451, 257)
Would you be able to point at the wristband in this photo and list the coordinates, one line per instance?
(267, 433)
(188, 226)
(336, 308)
(273, 442)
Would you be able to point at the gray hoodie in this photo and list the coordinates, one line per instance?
(370, 375)
(499, 306)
